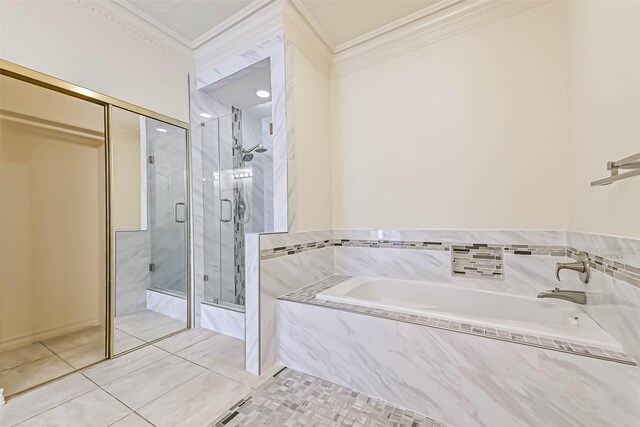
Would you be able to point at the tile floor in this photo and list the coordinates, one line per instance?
(133, 330)
(27, 366)
(197, 378)
(33, 364)
(188, 379)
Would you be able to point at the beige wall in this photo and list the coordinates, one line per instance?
(312, 173)
(469, 132)
(604, 114)
(88, 44)
(52, 221)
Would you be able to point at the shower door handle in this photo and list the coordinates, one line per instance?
(222, 218)
(175, 212)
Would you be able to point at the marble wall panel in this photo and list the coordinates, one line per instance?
(279, 276)
(460, 379)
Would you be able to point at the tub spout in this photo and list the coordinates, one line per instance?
(577, 297)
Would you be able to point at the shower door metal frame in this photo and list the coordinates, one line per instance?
(37, 78)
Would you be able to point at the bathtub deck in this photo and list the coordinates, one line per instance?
(307, 295)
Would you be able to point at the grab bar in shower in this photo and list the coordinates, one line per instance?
(175, 212)
(632, 163)
(222, 218)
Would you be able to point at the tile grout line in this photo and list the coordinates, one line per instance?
(55, 406)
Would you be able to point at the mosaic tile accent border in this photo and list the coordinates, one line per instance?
(307, 295)
(292, 398)
(477, 260)
(611, 268)
(624, 272)
(294, 249)
(405, 244)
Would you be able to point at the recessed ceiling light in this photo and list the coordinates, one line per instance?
(263, 93)
(205, 115)
(161, 130)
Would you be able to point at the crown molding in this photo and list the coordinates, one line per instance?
(311, 21)
(305, 36)
(129, 23)
(421, 14)
(154, 22)
(230, 22)
(458, 17)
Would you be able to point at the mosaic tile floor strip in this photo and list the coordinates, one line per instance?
(292, 398)
(307, 295)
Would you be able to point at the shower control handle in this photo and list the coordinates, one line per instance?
(222, 217)
(175, 212)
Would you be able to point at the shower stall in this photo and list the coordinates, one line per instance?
(238, 198)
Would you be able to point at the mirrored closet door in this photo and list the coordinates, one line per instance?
(94, 220)
(53, 238)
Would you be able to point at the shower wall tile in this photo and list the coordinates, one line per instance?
(227, 322)
(167, 305)
(254, 186)
(208, 73)
(283, 139)
(268, 176)
(252, 303)
(132, 258)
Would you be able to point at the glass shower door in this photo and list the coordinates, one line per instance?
(223, 213)
(150, 219)
(167, 212)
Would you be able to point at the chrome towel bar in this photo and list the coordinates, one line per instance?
(632, 163)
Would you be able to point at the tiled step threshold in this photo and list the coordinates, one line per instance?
(307, 295)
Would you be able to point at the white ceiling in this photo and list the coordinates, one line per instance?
(341, 23)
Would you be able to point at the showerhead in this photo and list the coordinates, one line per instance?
(247, 156)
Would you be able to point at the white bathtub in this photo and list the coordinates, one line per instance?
(527, 315)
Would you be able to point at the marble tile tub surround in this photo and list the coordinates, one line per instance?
(523, 275)
(458, 378)
(614, 291)
(279, 276)
(529, 265)
(307, 295)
